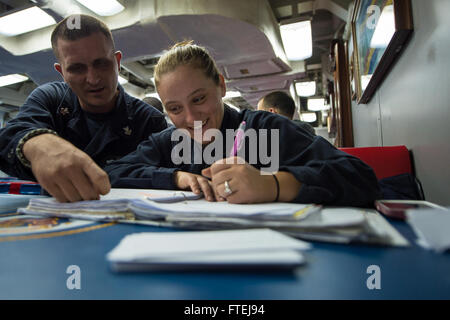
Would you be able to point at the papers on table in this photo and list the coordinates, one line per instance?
(254, 248)
(163, 206)
(431, 227)
(151, 194)
(367, 226)
(145, 209)
(305, 221)
(104, 210)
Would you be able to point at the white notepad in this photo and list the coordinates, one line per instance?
(230, 248)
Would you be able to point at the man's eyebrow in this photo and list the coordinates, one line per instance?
(74, 64)
(95, 60)
(101, 59)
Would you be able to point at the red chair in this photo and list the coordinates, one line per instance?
(385, 161)
(389, 162)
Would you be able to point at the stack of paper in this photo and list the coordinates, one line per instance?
(308, 222)
(161, 207)
(201, 208)
(177, 209)
(431, 227)
(104, 210)
(255, 248)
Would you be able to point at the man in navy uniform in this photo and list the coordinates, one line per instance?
(281, 103)
(66, 132)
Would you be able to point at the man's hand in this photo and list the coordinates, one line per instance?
(66, 172)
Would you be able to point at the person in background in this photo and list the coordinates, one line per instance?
(281, 103)
(191, 88)
(154, 102)
(67, 131)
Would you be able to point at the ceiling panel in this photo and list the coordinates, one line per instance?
(254, 68)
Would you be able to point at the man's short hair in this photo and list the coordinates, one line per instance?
(280, 100)
(78, 26)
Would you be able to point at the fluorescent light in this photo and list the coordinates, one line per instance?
(122, 80)
(103, 7)
(385, 28)
(232, 94)
(308, 116)
(305, 89)
(24, 21)
(297, 40)
(11, 79)
(317, 104)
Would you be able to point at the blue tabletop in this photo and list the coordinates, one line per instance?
(36, 269)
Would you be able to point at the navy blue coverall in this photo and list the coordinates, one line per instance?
(104, 137)
(328, 175)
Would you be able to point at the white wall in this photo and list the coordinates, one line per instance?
(412, 106)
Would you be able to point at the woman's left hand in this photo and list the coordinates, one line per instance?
(245, 183)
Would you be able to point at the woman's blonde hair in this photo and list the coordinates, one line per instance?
(187, 53)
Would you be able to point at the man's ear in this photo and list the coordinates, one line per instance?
(118, 55)
(58, 68)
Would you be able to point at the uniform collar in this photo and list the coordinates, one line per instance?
(120, 117)
(117, 126)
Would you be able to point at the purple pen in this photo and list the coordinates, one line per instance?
(238, 139)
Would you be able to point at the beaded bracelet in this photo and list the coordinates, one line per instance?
(28, 136)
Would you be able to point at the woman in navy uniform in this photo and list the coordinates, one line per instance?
(191, 88)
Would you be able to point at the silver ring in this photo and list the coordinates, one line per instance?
(228, 190)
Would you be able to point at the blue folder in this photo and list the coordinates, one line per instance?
(17, 186)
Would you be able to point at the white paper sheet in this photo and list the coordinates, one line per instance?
(431, 227)
(153, 245)
(254, 248)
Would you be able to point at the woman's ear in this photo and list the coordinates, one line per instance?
(222, 85)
